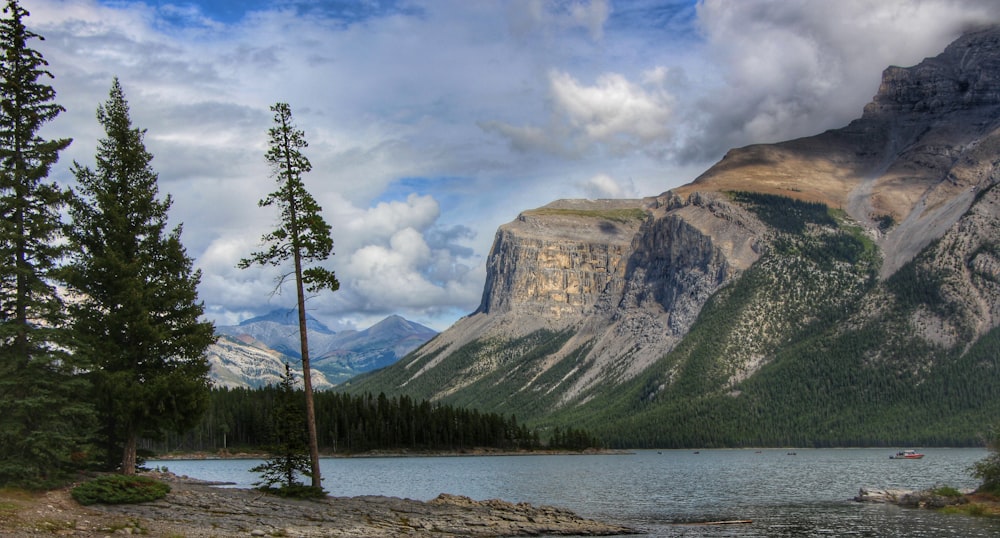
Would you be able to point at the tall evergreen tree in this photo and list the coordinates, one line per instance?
(301, 236)
(40, 421)
(138, 318)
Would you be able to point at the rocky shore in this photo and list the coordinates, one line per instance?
(926, 498)
(195, 509)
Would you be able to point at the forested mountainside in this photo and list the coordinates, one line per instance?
(840, 289)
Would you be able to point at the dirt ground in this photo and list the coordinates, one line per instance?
(55, 513)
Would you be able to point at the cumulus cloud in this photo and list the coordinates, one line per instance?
(406, 260)
(393, 257)
(381, 223)
(613, 109)
(605, 186)
(612, 114)
(406, 272)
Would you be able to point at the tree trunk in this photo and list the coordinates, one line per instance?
(128, 455)
(317, 480)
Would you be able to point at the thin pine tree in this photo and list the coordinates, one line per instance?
(302, 236)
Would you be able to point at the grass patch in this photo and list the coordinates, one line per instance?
(614, 215)
(972, 509)
(119, 489)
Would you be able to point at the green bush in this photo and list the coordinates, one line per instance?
(295, 491)
(988, 469)
(946, 491)
(120, 489)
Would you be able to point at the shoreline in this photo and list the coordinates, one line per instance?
(196, 509)
(966, 501)
(477, 452)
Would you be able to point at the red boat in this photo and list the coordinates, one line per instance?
(907, 455)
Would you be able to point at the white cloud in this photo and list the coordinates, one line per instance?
(399, 275)
(383, 222)
(613, 109)
(605, 186)
(613, 115)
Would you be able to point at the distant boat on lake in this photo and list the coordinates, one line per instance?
(906, 455)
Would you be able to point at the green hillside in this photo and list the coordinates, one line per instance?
(834, 376)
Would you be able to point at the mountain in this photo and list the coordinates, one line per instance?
(253, 352)
(286, 316)
(839, 289)
(378, 346)
(279, 330)
(244, 362)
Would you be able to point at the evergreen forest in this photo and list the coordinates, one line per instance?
(241, 419)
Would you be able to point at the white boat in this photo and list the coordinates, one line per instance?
(906, 455)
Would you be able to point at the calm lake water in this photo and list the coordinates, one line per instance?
(805, 494)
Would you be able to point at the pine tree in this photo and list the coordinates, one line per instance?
(41, 423)
(289, 452)
(301, 236)
(138, 318)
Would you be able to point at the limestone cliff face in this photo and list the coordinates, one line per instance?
(583, 296)
(625, 278)
(556, 261)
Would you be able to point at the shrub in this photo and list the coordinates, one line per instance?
(988, 469)
(120, 489)
(295, 491)
(946, 491)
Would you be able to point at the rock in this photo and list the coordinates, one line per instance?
(890, 496)
(909, 498)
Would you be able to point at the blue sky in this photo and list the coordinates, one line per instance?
(432, 122)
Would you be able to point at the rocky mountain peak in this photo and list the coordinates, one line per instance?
(965, 76)
(287, 316)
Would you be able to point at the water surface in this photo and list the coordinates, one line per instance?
(662, 492)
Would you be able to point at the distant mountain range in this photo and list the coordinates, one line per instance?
(253, 353)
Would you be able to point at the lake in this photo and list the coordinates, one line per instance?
(807, 493)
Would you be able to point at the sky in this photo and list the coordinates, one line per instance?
(432, 122)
